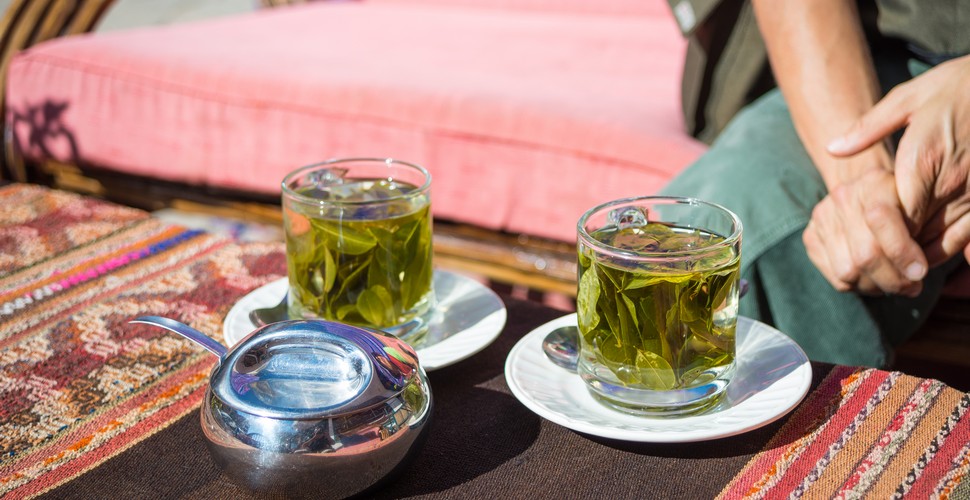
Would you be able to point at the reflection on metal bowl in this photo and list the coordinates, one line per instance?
(333, 457)
(316, 408)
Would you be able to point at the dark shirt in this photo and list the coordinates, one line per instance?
(933, 30)
(726, 65)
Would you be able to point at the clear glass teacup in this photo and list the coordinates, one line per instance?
(358, 244)
(657, 303)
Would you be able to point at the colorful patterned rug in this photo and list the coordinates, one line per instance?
(900, 436)
(78, 384)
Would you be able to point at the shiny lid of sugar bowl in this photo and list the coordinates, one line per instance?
(310, 369)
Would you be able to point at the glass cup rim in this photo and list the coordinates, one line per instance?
(728, 241)
(418, 191)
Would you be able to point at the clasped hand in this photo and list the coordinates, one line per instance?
(880, 230)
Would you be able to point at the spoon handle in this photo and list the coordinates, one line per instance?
(186, 331)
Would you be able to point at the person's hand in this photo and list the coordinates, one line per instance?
(932, 165)
(859, 240)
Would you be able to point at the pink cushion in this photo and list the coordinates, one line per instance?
(524, 119)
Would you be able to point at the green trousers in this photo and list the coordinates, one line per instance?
(759, 169)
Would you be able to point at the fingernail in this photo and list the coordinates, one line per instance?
(837, 144)
(915, 271)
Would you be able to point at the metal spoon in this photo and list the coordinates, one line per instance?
(561, 344)
(266, 315)
(186, 331)
(562, 347)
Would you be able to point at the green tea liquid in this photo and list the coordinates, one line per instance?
(364, 258)
(661, 324)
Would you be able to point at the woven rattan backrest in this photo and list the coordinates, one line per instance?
(29, 22)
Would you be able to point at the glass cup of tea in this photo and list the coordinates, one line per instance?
(657, 303)
(358, 244)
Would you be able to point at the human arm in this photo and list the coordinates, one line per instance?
(932, 165)
(857, 237)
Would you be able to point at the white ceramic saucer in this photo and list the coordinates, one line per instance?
(469, 316)
(773, 375)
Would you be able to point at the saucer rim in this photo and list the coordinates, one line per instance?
(802, 376)
(432, 359)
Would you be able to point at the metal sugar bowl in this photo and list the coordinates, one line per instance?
(311, 407)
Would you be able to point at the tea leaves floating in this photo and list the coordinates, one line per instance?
(659, 324)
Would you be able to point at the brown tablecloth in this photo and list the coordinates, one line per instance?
(93, 407)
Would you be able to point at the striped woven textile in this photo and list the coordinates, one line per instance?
(881, 435)
(78, 384)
